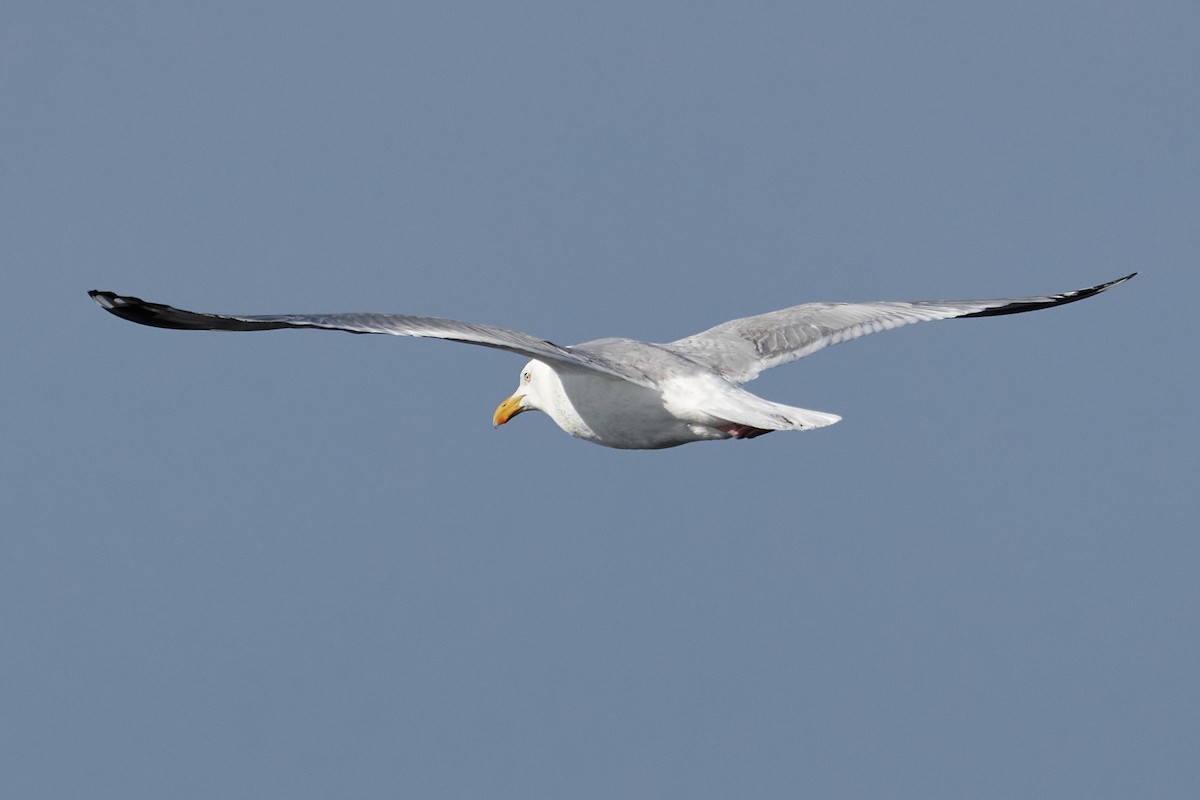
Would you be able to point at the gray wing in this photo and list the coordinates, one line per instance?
(158, 315)
(742, 348)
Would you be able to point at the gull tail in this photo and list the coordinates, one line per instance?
(764, 414)
(804, 419)
(736, 405)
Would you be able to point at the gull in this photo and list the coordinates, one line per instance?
(629, 394)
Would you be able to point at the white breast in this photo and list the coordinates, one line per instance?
(609, 411)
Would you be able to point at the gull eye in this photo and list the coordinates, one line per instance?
(526, 376)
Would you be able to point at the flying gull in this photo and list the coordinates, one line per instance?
(639, 395)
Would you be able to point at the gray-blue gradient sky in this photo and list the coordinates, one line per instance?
(300, 565)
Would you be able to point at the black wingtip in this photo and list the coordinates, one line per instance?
(1094, 290)
(156, 315)
(1049, 301)
(133, 309)
(115, 303)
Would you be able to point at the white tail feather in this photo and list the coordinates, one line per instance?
(734, 404)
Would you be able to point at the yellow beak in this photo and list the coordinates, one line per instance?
(507, 410)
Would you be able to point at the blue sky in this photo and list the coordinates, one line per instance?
(304, 565)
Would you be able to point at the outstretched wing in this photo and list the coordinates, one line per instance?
(158, 315)
(742, 348)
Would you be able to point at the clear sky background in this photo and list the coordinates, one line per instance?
(300, 565)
